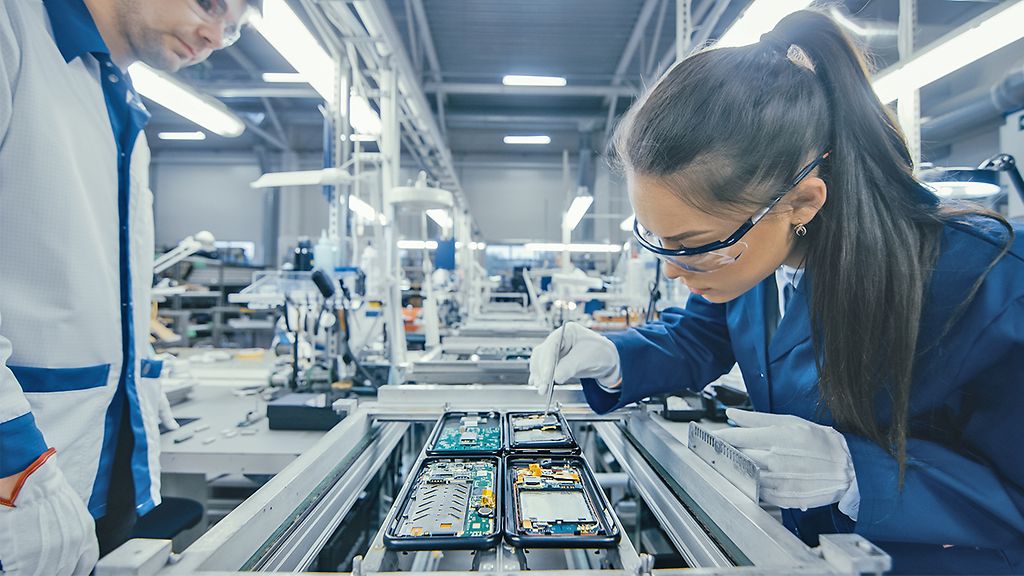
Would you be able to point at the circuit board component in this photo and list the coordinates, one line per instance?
(537, 427)
(450, 499)
(551, 499)
(476, 432)
(540, 433)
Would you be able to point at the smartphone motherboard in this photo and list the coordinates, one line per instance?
(467, 433)
(555, 503)
(539, 431)
(451, 503)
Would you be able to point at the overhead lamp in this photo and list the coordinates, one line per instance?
(1006, 163)
(577, 248)
(627, 224)
(284, 78)
(473, 245)
(527, 140)
(178, 97)
(977, 182)
(989, 32)
(188, 136)
(325, 177)
(574, 215)
(203, 240)
(364, 210)
(961, 182)
(760, 17)
(417, 245)
(523, 80)
(283, 29)
(440, 217)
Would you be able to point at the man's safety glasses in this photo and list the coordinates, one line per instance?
(715, 255)
(215, 12)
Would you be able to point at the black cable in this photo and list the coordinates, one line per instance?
(346, 303)
(655, 295)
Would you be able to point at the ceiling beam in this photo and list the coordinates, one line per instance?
(634, 40)
(501, 90)
(707, 27)
(236, 54)
(377, 19)
(494, 121)
(427, 39)
(230, 90)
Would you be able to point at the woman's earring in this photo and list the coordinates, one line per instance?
(800, 230)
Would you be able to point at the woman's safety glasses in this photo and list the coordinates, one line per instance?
(715, 255)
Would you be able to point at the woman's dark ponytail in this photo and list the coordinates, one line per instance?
(878, 236)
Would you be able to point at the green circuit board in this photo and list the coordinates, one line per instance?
(469, 433)
(451, 497)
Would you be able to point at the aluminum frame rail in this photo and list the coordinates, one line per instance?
(286, 523)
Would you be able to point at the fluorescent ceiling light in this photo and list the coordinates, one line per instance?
(557, 247)
(192, 136)
(441, 217)
(364, 210)
(577, 209)
(417, 245)
(760, 17)
(171, 93)
(473, 245)
(283, 29)
(360, 138)
(527, 140)
(991, 31)
(520, 80)
(627, 224)
(284, 78)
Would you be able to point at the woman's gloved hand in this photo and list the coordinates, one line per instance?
(803, 464)
(583, 354)
(45, 528)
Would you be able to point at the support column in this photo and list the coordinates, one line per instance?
(908, 104)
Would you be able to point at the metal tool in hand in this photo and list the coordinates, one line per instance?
(558, 356)
(735, 466)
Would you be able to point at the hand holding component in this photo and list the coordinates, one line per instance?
(45, 528)
(583, 353)
(803, 464)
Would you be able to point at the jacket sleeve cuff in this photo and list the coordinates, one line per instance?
(604, 399)
(849, 504)
(21, 444)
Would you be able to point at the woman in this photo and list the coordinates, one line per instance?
(771, 180)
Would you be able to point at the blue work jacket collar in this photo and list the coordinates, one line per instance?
(74, 29)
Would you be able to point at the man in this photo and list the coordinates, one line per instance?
(78, 420)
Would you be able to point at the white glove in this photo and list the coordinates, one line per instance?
(165, 413)
(803, 464)
(583, 354)
(48, 531)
